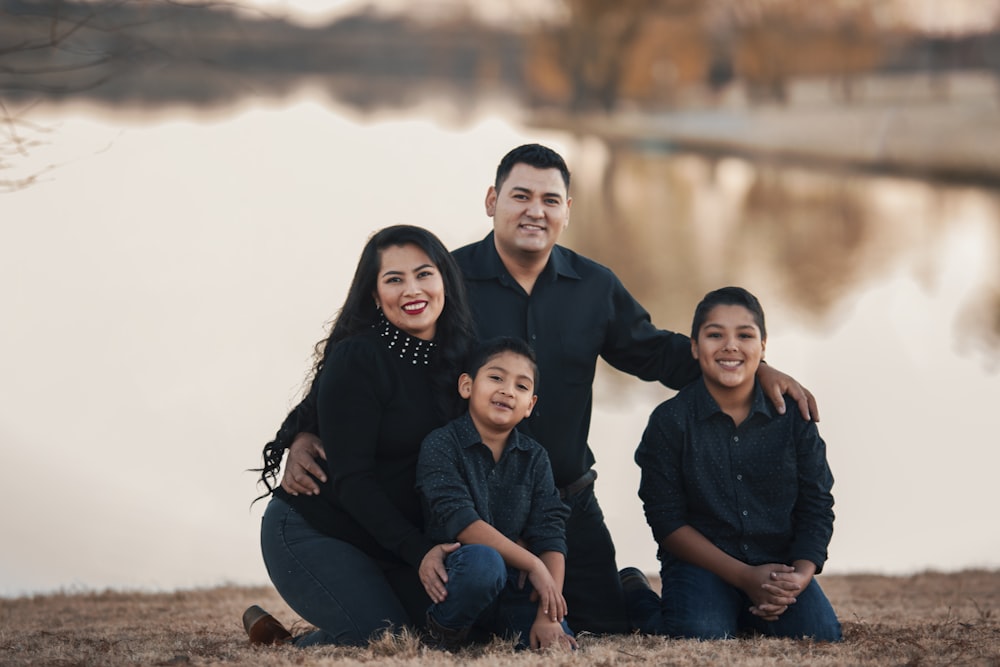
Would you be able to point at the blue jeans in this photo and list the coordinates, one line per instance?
(697, 604)
(347, 594)
(483, 596)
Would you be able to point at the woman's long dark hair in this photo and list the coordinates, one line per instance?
(454, 333)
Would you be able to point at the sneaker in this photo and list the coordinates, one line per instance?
(444, 638)
(633, 579)
(264, 629)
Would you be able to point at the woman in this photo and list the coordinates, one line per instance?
(351, 560)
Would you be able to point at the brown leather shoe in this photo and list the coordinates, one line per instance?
(264, 629)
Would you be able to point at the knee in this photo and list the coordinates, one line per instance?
(478, 565)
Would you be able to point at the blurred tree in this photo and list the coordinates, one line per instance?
(585, 59)
(55, 49)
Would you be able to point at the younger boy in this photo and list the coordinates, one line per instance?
(490, 488)
(737, 495)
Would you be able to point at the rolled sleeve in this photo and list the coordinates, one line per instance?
(813, 515)
(661, 487)
(448, 505)
(546, 526)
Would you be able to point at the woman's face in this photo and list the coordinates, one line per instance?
(410, 290)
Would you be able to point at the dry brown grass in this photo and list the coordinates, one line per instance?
(926, 619)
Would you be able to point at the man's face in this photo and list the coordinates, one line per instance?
(529, 212)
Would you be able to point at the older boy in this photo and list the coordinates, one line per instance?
(737, 495)
(490, 488)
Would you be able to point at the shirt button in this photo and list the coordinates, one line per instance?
(736, 438)
(744, 512)
(746, 547)
(739, 478)
(533, 336)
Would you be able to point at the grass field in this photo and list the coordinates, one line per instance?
(925, 619)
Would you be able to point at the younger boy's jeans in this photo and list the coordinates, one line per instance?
(483, 595)
(697, 604)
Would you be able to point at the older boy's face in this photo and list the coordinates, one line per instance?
(729, 347)
(502, 393)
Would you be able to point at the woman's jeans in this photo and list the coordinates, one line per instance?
(697, 604)
(344, 592)
(483, 596)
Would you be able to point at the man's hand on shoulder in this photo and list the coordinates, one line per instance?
(776, 384)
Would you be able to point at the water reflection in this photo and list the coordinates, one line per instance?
(674, 226)
(166, 282)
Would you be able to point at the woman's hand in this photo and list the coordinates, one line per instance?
(432, 572)
(300, 463)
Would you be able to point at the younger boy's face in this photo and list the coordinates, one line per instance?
(502, 393)
(729, 348)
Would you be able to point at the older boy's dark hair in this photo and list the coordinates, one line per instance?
(482, 353)
(533, 155)
(728, 296)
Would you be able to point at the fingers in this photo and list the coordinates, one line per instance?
(813, 405)
(297, 481)
(768, 612)
(436, 590)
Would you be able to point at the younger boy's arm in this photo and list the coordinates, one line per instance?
(550, 599)
(690, 545)
(547, 632)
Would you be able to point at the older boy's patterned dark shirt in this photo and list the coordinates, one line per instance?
(760, 491)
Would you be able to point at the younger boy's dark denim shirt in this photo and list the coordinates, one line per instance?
(761, 491)
(460, 484)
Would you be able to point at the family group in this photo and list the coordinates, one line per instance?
(438, 473)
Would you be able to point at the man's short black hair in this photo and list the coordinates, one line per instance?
(533, 155)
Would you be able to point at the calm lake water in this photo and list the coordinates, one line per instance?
(165, 280)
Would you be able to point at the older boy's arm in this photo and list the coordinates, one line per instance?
(776, 384)
(690, 545)
(550, 600)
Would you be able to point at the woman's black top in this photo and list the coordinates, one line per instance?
(375, 405)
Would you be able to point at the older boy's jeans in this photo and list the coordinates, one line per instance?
(697, 604)
(483, 596)
(341, 590)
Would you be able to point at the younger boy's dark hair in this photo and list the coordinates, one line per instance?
(533, 155)
(486, 350)
(728, 296)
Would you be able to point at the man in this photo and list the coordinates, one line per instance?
(571, 310)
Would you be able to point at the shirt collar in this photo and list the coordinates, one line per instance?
(468, 436)
(488, 264)
(402, 344)
(705, 405)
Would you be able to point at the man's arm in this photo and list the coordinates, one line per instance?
(302, 467)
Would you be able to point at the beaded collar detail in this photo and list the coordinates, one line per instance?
(407, 347)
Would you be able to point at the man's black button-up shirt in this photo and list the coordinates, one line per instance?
(577, 311)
